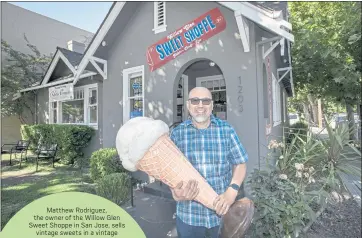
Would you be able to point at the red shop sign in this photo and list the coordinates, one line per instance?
(185, 38)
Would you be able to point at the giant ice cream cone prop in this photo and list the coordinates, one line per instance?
(153, 152)
(143, 144)
(165, 162)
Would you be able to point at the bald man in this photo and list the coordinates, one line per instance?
(213, 148)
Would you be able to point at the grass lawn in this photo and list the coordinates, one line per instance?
(21, 186)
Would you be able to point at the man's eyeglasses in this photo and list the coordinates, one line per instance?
(196, 101)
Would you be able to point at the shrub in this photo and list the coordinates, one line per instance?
(104, 162)
(290, 196)
(281, 211)
(300, 129)
(71, 139)
(115, 187)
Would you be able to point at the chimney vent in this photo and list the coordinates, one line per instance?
(76, 46)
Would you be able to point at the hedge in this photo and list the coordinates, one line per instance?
(71, 139)
(115, 187)
(103, 162)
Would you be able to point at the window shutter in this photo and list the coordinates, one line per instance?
(160, 13)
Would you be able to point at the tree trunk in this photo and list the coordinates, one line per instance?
(320, 122)
(306, 112)
(350, 118)
(314, 108)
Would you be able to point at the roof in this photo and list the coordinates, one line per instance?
(273, 7)
(74, 57)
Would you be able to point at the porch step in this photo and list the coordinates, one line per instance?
(158, 189)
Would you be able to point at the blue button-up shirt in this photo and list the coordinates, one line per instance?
(213, 152)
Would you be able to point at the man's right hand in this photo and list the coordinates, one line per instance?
(189, 192)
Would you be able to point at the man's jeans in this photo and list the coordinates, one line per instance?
(187, 231)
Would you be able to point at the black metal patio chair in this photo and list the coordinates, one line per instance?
(21, 147)
(48, 151)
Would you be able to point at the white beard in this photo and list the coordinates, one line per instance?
(200, 119)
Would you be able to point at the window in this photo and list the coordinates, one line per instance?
(80, 110)
(284, 100)
(133, 92)
(276, 102)
(93, 106)
(73, 110)
(159, 17)
(53, 112)
(217, 86)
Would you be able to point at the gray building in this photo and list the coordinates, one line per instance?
(146, 56)
(43, 32)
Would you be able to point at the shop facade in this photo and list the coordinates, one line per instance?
(147, 56)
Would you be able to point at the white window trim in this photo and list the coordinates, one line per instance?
(158, 29)
(276, 101)
(86, 108)
(126, 87)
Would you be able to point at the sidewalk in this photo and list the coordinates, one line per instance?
(154, 214)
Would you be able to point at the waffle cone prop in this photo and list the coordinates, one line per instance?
(165, 162)
(143, 144)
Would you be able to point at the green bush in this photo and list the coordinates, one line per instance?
(71, 139)
(115, 187)
(104, 162)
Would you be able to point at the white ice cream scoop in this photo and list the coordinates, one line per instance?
(135, 137)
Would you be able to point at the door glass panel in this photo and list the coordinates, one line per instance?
(135, 86)
(136, 109)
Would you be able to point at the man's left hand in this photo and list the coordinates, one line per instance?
(223, 202)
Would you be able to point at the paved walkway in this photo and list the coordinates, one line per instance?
(154, 214)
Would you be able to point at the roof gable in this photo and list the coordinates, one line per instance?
(58, 59)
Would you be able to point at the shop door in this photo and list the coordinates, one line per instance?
(216, 84)
(181, 98)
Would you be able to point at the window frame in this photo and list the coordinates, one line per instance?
(86, 114)
(127, 73)
(89, 105)
(156, 28)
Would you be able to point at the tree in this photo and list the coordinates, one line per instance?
(326, 54)
(19, 71)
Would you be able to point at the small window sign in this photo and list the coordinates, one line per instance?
(136, 85)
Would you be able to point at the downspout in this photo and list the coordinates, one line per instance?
(290, 60)
(257, 96)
